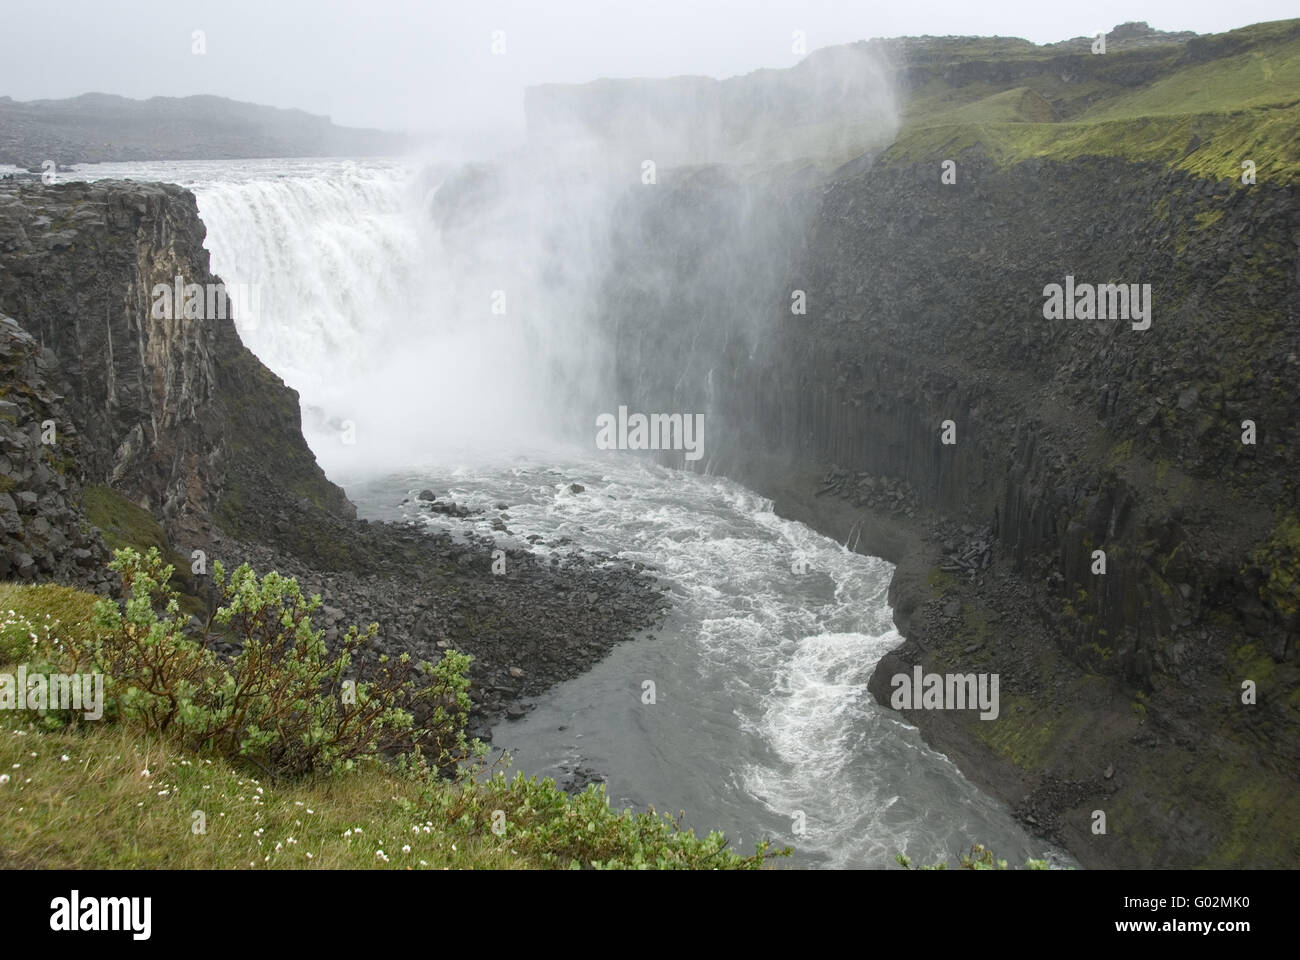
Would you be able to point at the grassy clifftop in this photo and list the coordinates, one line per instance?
(1204, 106)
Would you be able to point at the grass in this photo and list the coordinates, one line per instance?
(123, 523)
(116, 795)
(73, 609)
(1205, 117)
(1260, 77)
(46, 609)
(113, 798)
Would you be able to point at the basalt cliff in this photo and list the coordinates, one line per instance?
(1102, 514)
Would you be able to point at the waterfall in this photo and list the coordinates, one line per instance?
(410, 338)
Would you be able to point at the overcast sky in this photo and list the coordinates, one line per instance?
(428, 64)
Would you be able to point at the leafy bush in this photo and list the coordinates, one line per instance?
(284, 703)
(538, 821)
(279, 704)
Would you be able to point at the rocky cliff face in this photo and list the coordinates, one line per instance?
(1105, 516)
(175, 413)
(1123, 690)
(43, 528)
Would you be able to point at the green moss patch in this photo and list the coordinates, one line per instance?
(123, 523)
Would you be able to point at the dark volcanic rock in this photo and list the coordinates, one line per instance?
(926, 307)
(44, 533)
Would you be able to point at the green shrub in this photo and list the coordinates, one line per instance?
(278, 704)
(540, 822)
(284, 703)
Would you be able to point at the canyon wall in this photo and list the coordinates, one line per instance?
(1105, 516)
(1123, 690)
(174, 413)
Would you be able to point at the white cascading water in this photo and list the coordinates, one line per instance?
(762, 724)
(407, 343)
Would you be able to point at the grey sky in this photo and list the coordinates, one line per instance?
(428, 65)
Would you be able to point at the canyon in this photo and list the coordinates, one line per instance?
(921, 313)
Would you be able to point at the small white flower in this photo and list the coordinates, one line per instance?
(144, 772)
(4, 778)
(64, 758)
(309, 856)
(406, 848)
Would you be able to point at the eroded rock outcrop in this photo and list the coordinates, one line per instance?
(44, 532)
(175, 413)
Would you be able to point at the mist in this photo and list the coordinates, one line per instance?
(431, 67)
(428, 310)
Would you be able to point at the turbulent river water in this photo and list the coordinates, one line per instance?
(760, 722)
